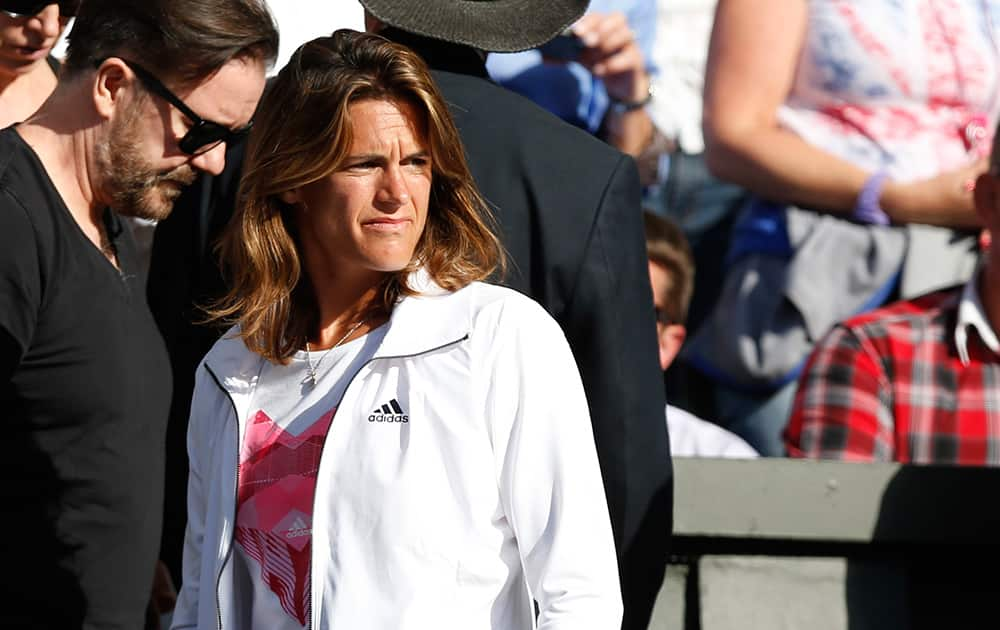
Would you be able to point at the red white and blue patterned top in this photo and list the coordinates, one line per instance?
(905, 86)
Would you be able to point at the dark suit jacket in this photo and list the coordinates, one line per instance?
(569, 213)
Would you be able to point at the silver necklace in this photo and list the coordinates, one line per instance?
(311, 368)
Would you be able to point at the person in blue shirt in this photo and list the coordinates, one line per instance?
(606, 88)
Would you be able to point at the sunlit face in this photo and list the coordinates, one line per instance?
(368, 215)
(26, 40)
(144, 169)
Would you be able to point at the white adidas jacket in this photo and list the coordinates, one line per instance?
(487, 497)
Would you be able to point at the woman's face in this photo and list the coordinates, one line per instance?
(369, 214)
(27, 40)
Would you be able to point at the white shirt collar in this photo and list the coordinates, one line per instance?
(972, 313)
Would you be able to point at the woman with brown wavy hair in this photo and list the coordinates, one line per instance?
(383, 440)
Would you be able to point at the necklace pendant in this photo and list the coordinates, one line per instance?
(312, 368)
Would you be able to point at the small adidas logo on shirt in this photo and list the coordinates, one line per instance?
(298, 529)
(389, 412)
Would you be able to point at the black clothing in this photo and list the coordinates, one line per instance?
(184, 276)
(569, 212)
(84, 391)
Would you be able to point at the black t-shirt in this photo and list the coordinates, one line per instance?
(84, 395)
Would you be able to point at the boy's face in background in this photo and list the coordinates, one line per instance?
(669, 335)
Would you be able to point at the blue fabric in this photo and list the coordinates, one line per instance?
(761, 229)
(569, 90)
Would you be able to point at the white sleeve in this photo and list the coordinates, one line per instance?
(185, 613)
(549, 476)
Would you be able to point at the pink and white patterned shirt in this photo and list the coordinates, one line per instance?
(277, 483)
(279, 462)
(905, 86)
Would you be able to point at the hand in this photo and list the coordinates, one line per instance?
(945, 199)
(612, 53)
(164, 594)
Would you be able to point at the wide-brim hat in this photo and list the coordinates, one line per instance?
(493, 25)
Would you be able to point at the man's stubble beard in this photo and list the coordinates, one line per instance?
(133, 186)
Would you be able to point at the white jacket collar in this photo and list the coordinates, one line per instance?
(419, 323)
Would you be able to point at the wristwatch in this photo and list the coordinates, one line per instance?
(622, 107)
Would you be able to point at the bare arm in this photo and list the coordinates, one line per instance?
(752, 58)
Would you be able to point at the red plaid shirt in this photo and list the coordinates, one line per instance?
(904, 383)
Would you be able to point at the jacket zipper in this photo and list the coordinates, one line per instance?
(229, 547)
(312, 552)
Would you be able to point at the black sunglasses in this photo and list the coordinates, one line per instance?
(204, 135)
(28, 8)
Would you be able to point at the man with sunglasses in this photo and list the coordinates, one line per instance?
(150, 94)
